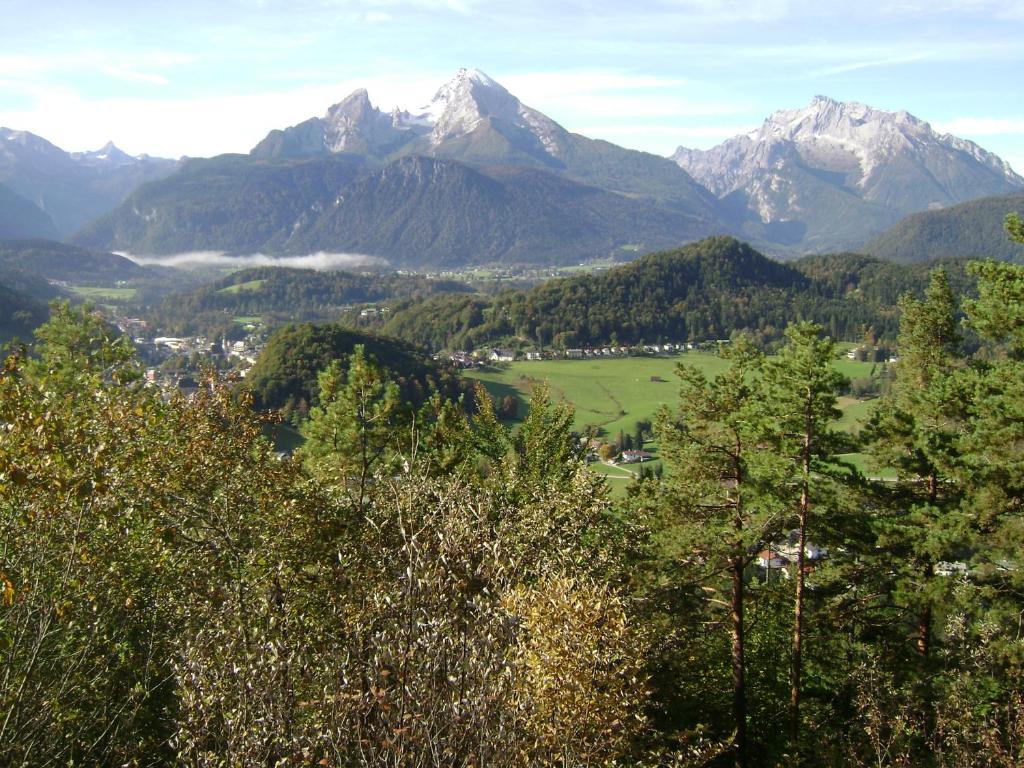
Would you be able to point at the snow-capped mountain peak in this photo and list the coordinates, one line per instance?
(848, 138)
(811, 167)
(469, 102)
(459, 106)
(472, 98)
(464, 101)
(108, 155)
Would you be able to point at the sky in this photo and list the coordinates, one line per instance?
(202, 78)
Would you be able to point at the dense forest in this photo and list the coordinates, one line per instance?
(973, 230)
(420, 586)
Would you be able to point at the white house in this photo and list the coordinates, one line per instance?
(503, 355)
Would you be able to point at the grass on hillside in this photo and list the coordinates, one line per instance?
(93, 293)
(252, 285)
(855, 413)
(861, 462)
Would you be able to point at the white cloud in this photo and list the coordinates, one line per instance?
(561, 83)
(320, 260)
(855, 66)
(999, 9)
(25, 66)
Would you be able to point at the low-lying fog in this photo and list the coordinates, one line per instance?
(319, 260)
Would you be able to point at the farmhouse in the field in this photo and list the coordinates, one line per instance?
(634, 456)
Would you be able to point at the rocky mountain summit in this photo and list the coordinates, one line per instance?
(470, 102)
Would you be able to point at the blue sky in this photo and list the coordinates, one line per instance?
(200, 78)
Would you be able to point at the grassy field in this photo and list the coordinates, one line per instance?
(103, 294)
(855, 413)
(860, 461)
(615, 393)
(612, 393)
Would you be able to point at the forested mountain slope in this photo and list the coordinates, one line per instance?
(973, 229)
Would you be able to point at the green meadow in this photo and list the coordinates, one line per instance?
(614, 393)
(611, 394)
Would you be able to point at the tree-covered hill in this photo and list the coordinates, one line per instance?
(706, 290)
(67, 263)
(281, 294)
(30, 284)
(973, 230)
(878, 282)
(445, 321)
(285, 375)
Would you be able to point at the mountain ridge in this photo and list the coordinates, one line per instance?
(474, 119)
(829, 160)
(414, 212)
(821, 178)
(73, 188)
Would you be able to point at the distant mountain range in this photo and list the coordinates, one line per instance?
(475, 176)
(832, 174)
(71, 188)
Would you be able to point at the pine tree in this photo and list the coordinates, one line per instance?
(916, 431)
(357, 427)
(802, 386)
(722, 486)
